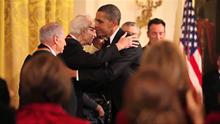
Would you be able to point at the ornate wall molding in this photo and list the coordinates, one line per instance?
(147, 7)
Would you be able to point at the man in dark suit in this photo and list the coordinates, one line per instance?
(82, 32)
(107, 25)
(211, 89)
(131, 28)
(52, 41)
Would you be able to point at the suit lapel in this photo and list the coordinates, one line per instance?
(118, 36)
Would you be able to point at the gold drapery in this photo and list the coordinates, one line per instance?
(19, 29)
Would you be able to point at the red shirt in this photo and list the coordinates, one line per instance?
(122, 118)
(45, 113)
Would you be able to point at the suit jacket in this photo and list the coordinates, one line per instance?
(117, 71)
(76, 58)
(211, 91)
(128, 64)
(70, 106)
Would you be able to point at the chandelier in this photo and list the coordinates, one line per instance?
(147, 7)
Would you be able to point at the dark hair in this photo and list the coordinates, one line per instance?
(155, 21)
(112, 11)
(7, 113)
(4, 92)
(44, 79)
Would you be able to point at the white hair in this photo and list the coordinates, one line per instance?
(80, 23)
(49, 30)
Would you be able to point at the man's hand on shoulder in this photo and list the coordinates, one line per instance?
(127, 42)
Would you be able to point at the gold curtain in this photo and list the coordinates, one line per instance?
(19, 25)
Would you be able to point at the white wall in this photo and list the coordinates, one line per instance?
(169, 11)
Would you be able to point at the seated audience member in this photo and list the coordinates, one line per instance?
(131, 28)
(171, 63)
(213, 118)
(46, 86)
(7, 113)
(151, 100)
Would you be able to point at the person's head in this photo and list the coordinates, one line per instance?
(169, 60)
(44, 79)
(83, 28)
(7, 112)
(107, 20)
(131, 28)
(151, 100)
(4, 92)
(52, 34)
(156, 30)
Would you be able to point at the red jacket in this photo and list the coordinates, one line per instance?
(122, 118)
(45, 113)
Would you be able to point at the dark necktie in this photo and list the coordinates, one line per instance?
(107, 42)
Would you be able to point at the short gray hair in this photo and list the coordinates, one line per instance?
(49, 30)
(132, 24)
(80, 23)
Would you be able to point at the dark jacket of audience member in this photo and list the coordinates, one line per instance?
(7, 113)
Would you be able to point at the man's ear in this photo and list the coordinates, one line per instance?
(115, 23)
(55, 39)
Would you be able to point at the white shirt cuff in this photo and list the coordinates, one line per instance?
(77, 75)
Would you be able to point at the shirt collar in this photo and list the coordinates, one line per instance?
(51, 50)
(72, 36)
(113, 35)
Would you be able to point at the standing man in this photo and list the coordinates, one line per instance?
(131, 28)
(82, 32)
(107, 25)
(156, 30)
(52, 41)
